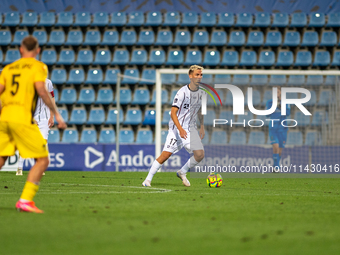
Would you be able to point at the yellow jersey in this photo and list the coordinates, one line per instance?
(19, 98)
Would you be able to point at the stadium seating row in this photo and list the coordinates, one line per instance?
(259, 19)
(181, 37)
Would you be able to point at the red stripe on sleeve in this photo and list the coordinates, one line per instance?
(52, 94)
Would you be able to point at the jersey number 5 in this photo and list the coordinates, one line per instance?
(15, 83)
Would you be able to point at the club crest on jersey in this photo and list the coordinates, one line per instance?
(175, 101)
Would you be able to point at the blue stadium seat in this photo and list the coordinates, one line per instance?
(133, 116)
(107, 135)
(172, 19)
(144, 137)
(94, 75)
(100, 19)
(78, 115)
(310, 38)
(317, 19)
(296, 80)
(208, 19)
(200, 37)
(325, 97)
(86, 95)
(330, 80)
(64, 19)
(189, 19)
(66, 56)
(85, 56)
(222, 78)
(241, 79)
(125, 96)
(333, 19)
(139, 56)
(225, 19)
(328, 38)
(211, 57)
(273, 38)
(277, 80)
(237, 38)
(168, 78)
(314, 80)
(11, 19)
(148, 76)
(312, 100)
(164, 96)
(146, 37)
(298, 19)
(12, 54)
(74, 37)
(102, 56)
(149, 117)
(141, 96)
(208, 78)
(70, 135)
(47, 19)
(211, 101)
(292, 38)
(63, 112)
(126, 136)
(88, 135)
(262, 19)
(166, 116)
(302, 120)
(104, 96)
(58, 75)
(111, 75)
(68, 95)
(248, 58)
(294, 138)
(110, 37)
(256, 98)
(156, 56)
(205, 139)
(303, 58)
(238, 138)
(256, 138)
(280, 20)
(154, 19)
(49, 55)
(5, 36)
(121, 56)
(76, 75)
(172, 95)
(111, 117)
(336, 58)
(19, 34)
(128, 37)
(267, 58)
(209, 118)
(322, 58)
(227, 115)
(133, 73)
(193, 56)
(175, 56)
(41, 36)
(82, 19)
(266, 96)
(230, 58)
(92, 37)
(255, 38)
(259, 79)
(118, 19)
(96, 115)
(164, 37)
(218, 137)
(182, 37)
(218, 38)
(313, 138)
(29, 19)
(57, 37)
(319, 117)
(285, 58)
(136, 19)
(1, 55)
(244, 19)
(54, 136)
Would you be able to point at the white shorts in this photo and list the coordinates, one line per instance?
(174, 142)
(44, 128)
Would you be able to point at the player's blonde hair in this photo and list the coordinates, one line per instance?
(195, 67)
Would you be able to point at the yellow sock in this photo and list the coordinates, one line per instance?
(30, 189)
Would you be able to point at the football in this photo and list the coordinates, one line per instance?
(214, 180)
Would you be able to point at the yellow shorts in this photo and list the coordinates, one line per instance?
(27, 139)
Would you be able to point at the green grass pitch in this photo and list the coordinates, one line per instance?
(110, 213)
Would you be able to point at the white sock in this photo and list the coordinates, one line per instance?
(153, 170)
(190, 163)
(21, 162)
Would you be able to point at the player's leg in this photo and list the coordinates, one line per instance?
(20, 165)
(274, 140)
(7, 146)
(2, 161)
(44, 129)
(282, 142)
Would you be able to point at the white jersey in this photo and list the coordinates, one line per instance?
(42, 112)
(188, 103)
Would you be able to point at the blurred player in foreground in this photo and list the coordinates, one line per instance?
(44, 119)
(182, 127)
(277, 132)
(20, 84)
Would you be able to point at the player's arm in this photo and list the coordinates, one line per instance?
(51, 120)
(2, 89)
(201, 120)
(174, 118)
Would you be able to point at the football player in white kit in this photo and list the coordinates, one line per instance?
(44, 118)
(182, 127)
